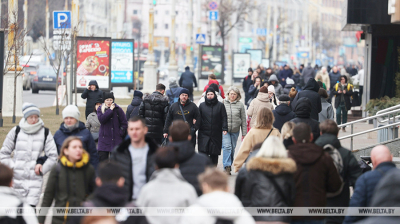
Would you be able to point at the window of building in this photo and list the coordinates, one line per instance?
(135, 12)
(166, 26)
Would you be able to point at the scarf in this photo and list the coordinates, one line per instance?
(72, 127)
(31, 128)
(104, 108)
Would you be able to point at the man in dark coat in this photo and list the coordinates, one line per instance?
(308, 72)
(187, 80)
(350, 172)
(284, 74)
(283, 112)
(154, 110)
(310, 91)
(246, 85)
(366, 183)
(343, 91)
(303, 111)
(191, 114)
(92, 93)
(191, 163)
(316, 174)
(133, 108)
(134, 155)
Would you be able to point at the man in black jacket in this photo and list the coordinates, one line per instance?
(187, 80)
(191, 163)
(191, 114)
(246, 85)
(350, 172)
(310, 91)
(134, 155)
(303, 111)
(92, 93)
(283, 112)
(154, 110)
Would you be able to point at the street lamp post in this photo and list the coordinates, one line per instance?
(150, 67)
(172, 68)
(189, 61)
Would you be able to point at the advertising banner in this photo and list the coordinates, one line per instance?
(241, 63)
(122, 61)
(265, 62)
(211, 62)
(256, 57)
(93, 62)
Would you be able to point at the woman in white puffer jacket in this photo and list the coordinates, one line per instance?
(28, 145)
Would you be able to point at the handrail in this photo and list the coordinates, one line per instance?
(368, 118)
(386, 120)
(388, 109)
(368, 131)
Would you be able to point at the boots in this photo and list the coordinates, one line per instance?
(344, 129)
(228, 170)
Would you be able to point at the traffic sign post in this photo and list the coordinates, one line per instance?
(62, 30)
(61, 19)
(213, 5)
(200, 38)
(213, 15)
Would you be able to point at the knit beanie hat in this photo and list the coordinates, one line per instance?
(108, 96)
(263, 89)
(271, 88)
(172, 80)
(289, 81)
(215, 87)
(71, 111)
(29, 109)
(137, 93)
(210, 89)
(185, 91)
(99, 100)
(284, 97)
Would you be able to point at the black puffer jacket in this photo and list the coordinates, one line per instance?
(255, 189)
(191, 164)
(310, 91)
(191, 112)
(122, 155)
(91, 97)
(133, 108)
(154, 110)
(282, 114)
(303, 111)
(213, 121)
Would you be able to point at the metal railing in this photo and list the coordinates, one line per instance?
(375, 118)
(388, 109)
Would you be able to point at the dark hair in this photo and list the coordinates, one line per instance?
(166, 157)
(302, 65)
(212, 76)
(6, 175)
(322, 93)
(160, 86)
(137, 118)
(320, 84)
(329, 127)
(301, 132)
(94, 109)
(343, 76)
(258, 77)
(109, 172)
(179, 131)
(250, 70)
(265, 82)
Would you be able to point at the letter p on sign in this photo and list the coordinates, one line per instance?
(61, 19)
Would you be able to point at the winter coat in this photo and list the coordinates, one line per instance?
(173, 93)
(262, 101)
(221, 90)
(254, 188)
(302, 111)
(154, 110)
(133, 108)
(191, 112)
(91, 97)
(191, 163)
(202, 99)
(282, 113)
(365, 188)
(253, 92)
(326, 112)
(68, 184)
(298, 79)
(27, 150)
(253, 137)
(278, 87)
(113, 127)
(308, 73)
(284, 74)
(213, 123)
(246, 85)
(84, 134)
(287, 88)
(310, 91)
(316, 176)
(236, 116)
(187, 79)
(351, 171)
(325, 79)
(166, 188)
(334, 78)
(12, 199)
(217, 199)
(122, 155)
(93, 125)
(347, 96)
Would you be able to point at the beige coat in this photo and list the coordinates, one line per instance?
(261, 101)
(253, 137)
(325, 79)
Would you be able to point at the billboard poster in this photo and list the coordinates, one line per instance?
(265, 62)
(93, 62)
(122, 61)
(256, 57)
(211, 61)
(241, 63)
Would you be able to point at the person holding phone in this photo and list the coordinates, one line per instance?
(92, 94)
(343, 92)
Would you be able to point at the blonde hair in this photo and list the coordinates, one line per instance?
(272, 148)
(214, 178)
(236, 90)
(287, 130)
(293, 92)
(265, 118)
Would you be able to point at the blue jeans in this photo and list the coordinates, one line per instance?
(228, 147)
(308, 222)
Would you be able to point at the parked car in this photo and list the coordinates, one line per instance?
(30, 71)
(45, 79)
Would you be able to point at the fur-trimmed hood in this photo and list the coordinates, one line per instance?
(272, 165)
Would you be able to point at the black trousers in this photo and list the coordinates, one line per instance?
(190, 88)
(103, 155)
(214, 159)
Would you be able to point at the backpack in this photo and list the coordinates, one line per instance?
(338, 162)
(18, 220)
(18, 129)
(175, 98)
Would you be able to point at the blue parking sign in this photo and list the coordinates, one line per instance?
(213, 15)
(61, 19)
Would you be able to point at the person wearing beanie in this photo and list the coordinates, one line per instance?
(92, 93)
(289, 84)
(113, 126)
(273, 80)
(27, 141)
(272, 96)
(213, 122)
(190, 115)
(261, 101)
(174, 91)
(133, 108)
(92, 121)
(216, 89)
(247, 81)
(283, 112)
(187, 80)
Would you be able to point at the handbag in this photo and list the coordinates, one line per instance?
(192, 129)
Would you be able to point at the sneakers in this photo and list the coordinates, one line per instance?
(228, 170)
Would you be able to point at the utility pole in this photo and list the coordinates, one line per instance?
(25, 24)
(172, 68)
(199, 46)
(47, 31)
(189, 61)
(268, 32)
(150, 67)
(71, 78)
